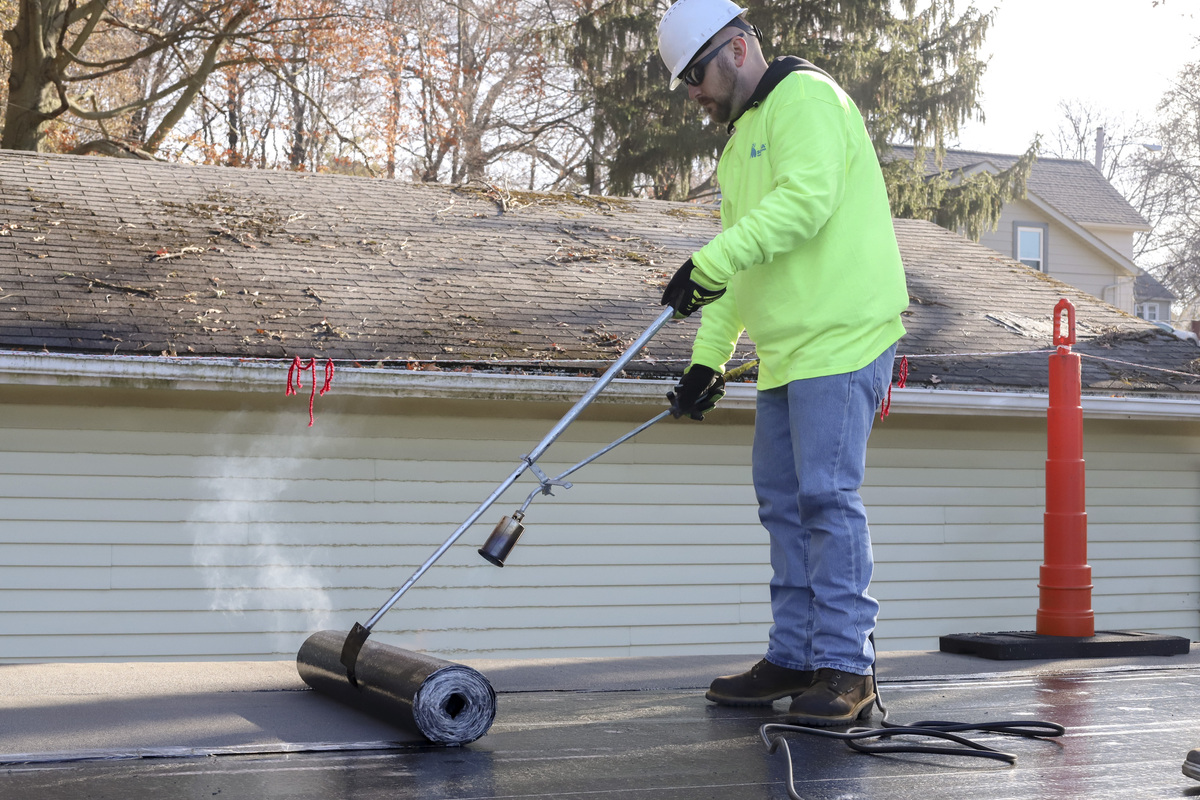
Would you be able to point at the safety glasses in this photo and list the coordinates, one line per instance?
(694, 74)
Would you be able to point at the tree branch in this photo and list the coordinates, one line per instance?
(196, 81)
(110, 113)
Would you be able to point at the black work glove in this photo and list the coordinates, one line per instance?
(685, 295)
(697, 392)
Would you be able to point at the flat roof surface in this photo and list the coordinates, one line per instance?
(588, 728)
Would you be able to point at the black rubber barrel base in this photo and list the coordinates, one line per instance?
(1018, 645)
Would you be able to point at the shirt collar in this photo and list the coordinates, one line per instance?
(777, 70)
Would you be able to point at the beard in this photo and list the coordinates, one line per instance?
(719, 111)
(719, 104)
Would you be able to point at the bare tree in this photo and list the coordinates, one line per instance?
(1085, 127)
(452, 90)
(1156, 167)
(60, 48)
(483, 87)
(140, 67)
(1170, 197)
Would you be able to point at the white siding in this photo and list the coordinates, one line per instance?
(1070, 259)
(1119, 239)
(957, 510)
(171, 531)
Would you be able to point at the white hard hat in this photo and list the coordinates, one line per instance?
(686, 26)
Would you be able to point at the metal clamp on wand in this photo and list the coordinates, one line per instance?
(504, 537)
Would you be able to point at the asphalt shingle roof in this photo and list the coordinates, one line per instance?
(112, 256)
(1147, 287)
(1075, 188)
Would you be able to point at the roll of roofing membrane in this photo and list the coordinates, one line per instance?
(447, 703)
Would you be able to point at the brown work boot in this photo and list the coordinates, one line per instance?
(761, 685)
(835, 698)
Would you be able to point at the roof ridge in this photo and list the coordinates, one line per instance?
(993, 154)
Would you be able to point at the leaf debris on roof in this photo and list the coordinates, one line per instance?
(277, 264)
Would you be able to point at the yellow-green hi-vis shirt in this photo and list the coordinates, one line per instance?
(807, 250)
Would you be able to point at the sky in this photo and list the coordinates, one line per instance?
(1117, 56)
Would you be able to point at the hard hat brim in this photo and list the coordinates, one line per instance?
(690, 31)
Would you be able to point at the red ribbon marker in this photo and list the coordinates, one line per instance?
(903, 379)
(294, 371)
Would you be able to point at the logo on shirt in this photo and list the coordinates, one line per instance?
(757, 150)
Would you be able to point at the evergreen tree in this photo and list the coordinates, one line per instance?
(959, 201)
(640, 131)
(914, 75)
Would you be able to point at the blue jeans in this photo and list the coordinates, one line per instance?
(810, 452)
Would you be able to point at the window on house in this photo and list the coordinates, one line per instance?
(1148, 311)
(1031, 246)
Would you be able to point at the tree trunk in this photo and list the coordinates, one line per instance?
(299, 136)
(233, 115)
(33, 97)
(473, 162)
(592, 166)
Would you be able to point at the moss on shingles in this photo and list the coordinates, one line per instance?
(510, 200)
(697, 212)
(234, 217)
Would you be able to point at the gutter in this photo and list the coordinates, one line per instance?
(270, 376)
(1033, 404)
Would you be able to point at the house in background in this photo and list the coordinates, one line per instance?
(1155, 303)
(1153, 300)
(161, 497)
(1072, 225)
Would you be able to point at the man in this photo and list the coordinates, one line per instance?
(807, 265)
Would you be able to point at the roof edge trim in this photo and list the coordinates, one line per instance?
(216, 374)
